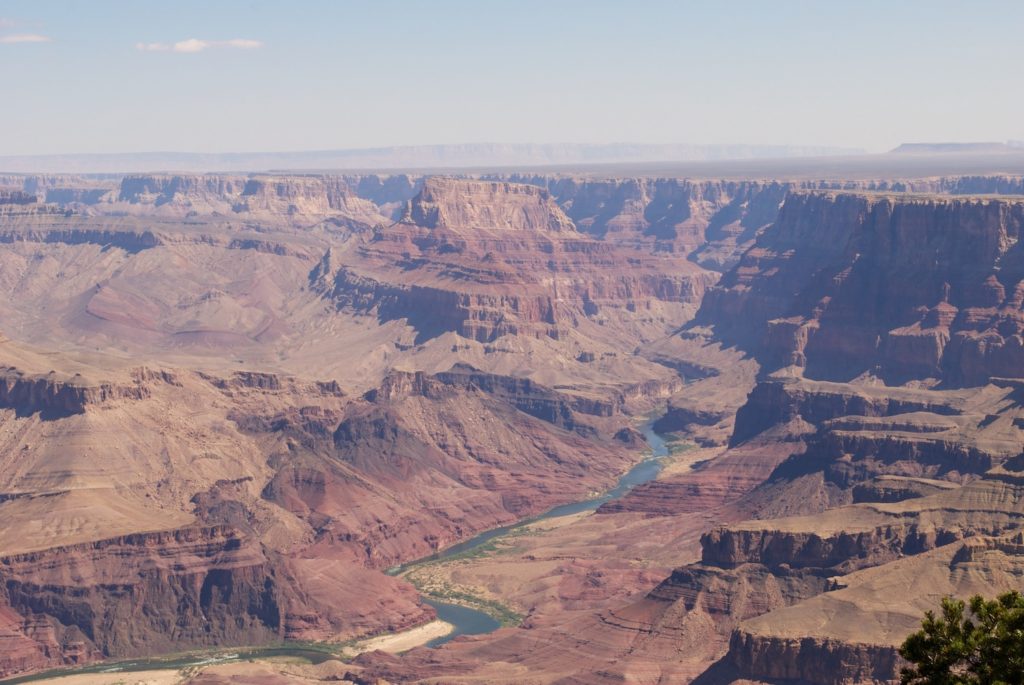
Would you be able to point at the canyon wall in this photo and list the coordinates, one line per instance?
(903, 286)
(487, 258)
(137, 595)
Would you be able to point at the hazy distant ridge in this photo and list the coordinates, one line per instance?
(408, 157)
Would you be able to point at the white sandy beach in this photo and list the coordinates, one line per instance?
(404, 641)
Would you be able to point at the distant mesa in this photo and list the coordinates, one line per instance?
(958, 148)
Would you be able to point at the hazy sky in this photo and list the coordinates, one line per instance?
(206, 76)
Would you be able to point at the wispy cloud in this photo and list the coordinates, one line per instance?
(193, 45)
(25, 38)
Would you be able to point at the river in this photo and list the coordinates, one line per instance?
(466, 621)
(313, 656)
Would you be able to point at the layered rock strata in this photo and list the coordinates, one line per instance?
(487, 259)
(908, 287)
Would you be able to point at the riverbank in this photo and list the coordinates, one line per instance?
(395, 643)
(460, 574)
(133, 673)
(159, 677)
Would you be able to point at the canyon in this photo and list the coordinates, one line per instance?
(231, 403)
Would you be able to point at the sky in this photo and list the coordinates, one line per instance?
(269, 75)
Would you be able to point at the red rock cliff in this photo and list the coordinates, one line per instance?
(907, 286)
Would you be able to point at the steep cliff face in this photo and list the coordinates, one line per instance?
(458, 205)
(91, 468)
(54, 395)
(715, 220)
(128, 240)
(139, 594)
(928, 469)
(873, 443)
(163, 190)
(836, 552)
(733, 594)
(878, 567)
(813, 660)
(290, 197)
(302, 195)
(909, 287)
(203, 193)
(390, 192)
(487, 259)
(779, 399)
(433, 310)
(16, 197)
(847, 458)
(981, 185)
(851, 635)
(74, 196)
(855, 536)
(524, 394)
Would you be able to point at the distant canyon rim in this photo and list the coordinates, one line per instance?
(230, 403)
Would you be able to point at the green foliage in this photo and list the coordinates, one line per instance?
(496, 610)
(455, 595)
(982, 646)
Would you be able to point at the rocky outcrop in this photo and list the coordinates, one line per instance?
(528, 396)
(304, 195)
(982, 185)
(73, 196)
(16, 197)
(730, 595)
(849, 458)
(522, 393)
(684, 418)
(856, 536)
(716, 220)
(43, 183)
(487, 259)
(162, 190)
(852, 634)
(266, 382)
(435, 310)
(872, 443)
(458, 205)
(812, 660)
(712, 219)
(317, 197)
(128, 240)
(897, 489)
(387, 192)
(134, 235)
(839, 552)
(54, 395)
(140, 594)
(780, 399)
